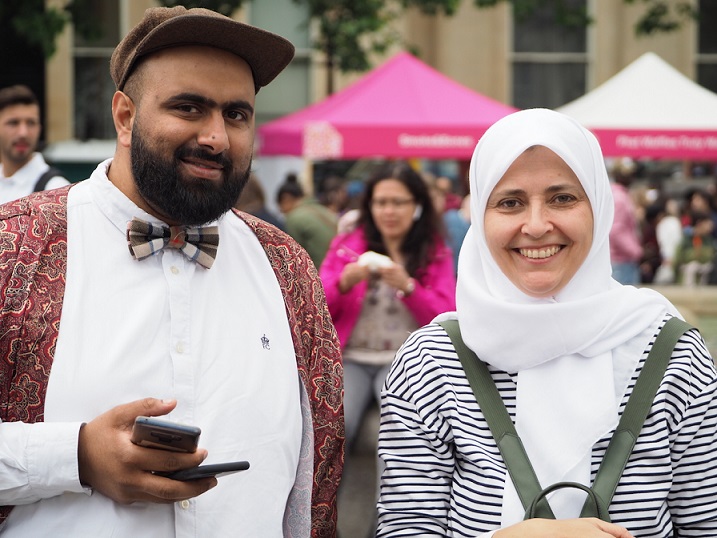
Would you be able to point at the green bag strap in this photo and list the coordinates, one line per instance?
(501, 426)
(636, 410)
(594, 505)
(521, 471)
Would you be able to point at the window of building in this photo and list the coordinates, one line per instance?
(290, 90)
(93, 85)
(707, 45)
(549, 58)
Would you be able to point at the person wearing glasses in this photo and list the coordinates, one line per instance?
(384, 279)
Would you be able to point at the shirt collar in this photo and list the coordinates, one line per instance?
(114, 204)
(29, 172)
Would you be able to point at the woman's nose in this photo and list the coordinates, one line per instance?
(537, 222)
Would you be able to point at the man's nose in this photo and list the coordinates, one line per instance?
(213, 134)
(23, 129)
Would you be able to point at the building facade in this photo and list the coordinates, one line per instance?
(523, 62)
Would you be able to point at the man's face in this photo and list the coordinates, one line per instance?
(193, 133)
(19, 133)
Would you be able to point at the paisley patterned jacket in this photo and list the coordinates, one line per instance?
(33, 261)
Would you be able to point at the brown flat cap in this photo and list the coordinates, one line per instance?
(267, 54)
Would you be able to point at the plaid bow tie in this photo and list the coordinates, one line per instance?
(198, 244)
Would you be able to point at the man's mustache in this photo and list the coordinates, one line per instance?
(198, 153)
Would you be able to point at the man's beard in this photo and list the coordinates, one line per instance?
(189, 201)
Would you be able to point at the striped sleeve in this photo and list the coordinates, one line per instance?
(444, 474)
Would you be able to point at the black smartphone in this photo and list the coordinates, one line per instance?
(155, 432)
(204, 471)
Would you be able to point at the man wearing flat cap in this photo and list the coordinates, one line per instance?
(140, 292)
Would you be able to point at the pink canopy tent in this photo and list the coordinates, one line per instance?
(649, 109)
(402, 109)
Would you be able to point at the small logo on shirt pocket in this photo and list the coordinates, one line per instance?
(265, 342)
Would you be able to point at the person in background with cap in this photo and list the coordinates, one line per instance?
(23, 169)
(224, 327)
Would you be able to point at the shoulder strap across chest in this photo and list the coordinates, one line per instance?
(521, 471)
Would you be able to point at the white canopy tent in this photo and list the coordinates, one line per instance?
(649, 109)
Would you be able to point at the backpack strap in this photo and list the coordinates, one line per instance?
(521, 471)
(43, 180)
(496, 415)
(636, 410)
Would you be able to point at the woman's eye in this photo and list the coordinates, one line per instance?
(564, 198)
(508, 204)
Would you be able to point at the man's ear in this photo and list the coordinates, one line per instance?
(123, 112)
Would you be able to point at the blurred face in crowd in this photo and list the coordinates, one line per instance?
(392, 209)
(19, 134)
(539, 223)
(193, 133)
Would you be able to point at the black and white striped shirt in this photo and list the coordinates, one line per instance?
(444, 473)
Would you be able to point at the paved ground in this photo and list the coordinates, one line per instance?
(357, 497)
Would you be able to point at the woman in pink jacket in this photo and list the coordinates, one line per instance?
(389, 276)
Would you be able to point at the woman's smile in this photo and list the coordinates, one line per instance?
(539, 253)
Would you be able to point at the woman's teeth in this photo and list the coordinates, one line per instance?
(539, 252)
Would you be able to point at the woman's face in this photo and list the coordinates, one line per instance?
(392, 208)
(539, 223)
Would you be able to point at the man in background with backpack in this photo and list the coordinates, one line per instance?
(23, 170)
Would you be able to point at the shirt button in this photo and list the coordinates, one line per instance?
(174, 270)
(180, 347)
(184, 504)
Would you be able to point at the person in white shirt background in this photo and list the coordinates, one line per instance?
(234, 338)
(21, 165)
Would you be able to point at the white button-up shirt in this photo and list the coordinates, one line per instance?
(23, 182)
(216, 340)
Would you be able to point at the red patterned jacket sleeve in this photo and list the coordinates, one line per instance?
(318, 357)
(33, 255)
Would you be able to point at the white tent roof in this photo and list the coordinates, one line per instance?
(650, 98)
(647, 94)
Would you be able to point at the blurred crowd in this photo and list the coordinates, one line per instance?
(674, 230)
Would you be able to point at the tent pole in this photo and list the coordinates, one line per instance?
(308, 177)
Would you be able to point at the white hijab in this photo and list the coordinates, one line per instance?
(573, 353)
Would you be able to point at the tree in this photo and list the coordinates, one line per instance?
(349, 30)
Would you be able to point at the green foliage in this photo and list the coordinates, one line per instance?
(220, 6)
(659, 16)
(80, 12)
(434, 7)
(32, 24)
(349, 30)
(663, 16)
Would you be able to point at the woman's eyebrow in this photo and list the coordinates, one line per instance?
(507, 192)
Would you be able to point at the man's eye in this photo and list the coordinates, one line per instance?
(189, 109)
(236, 115)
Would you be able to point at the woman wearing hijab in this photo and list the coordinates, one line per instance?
(564, 343)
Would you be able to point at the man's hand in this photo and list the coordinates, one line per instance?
(589, 527)
(114, 466)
